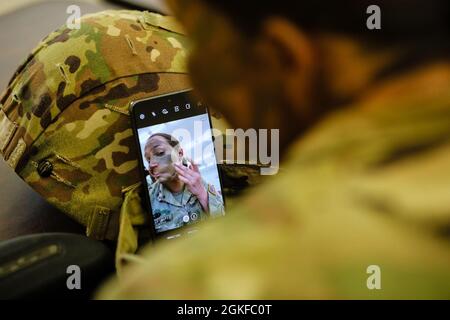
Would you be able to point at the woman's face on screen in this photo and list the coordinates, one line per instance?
(161, 156)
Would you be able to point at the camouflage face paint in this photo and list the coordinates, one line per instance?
(165, 170)
(161, 157)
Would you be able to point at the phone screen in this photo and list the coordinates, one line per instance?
(178, 163)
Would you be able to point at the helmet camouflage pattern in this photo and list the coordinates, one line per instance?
(64, 117)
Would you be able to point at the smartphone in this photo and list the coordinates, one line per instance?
(178, 165)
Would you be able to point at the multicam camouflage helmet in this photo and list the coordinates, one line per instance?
(64, 117)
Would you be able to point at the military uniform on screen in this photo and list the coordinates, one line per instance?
(172, 211)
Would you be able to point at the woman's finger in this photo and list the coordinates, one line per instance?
(182, 175)
(180, 167)
(194, 168)
(186, 171)
(181, 171)
(190, 179)
(183, 179)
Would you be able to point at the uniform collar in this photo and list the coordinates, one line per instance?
(165, 195)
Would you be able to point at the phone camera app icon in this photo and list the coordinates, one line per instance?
(142, 116)
(165, 111)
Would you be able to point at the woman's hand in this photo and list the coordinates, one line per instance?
(193, 181)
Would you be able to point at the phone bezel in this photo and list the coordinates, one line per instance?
(148, 206)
